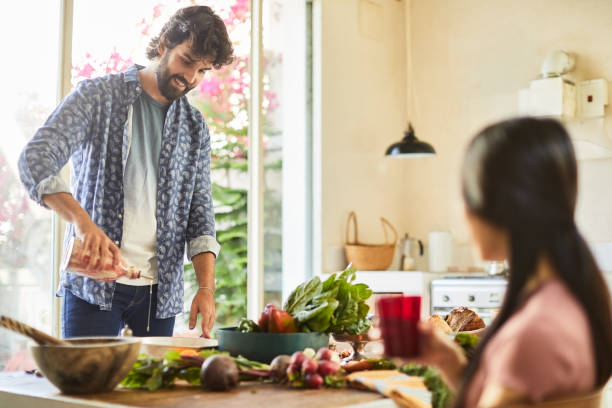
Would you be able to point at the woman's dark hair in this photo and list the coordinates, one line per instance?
(203, 28)
(521, 175)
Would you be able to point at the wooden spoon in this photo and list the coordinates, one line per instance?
(38, 336)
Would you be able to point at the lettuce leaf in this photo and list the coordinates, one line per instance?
(333, 306)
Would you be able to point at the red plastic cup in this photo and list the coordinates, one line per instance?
(398, 319)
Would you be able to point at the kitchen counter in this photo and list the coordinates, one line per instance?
(18, 389)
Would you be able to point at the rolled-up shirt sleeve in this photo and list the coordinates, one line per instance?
(52, 185)
(205, 243)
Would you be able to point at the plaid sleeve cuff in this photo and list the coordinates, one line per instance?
(204, 243)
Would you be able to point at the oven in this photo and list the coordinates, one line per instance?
(481, 293)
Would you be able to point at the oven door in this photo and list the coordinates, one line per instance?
(482, 295)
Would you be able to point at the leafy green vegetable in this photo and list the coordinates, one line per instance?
(333, 306)
(381, 364)
(468, 342)
(303, 294)
(155, 373)
(334, 381)
(245, 364)
(441, 395)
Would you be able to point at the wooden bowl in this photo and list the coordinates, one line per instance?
(87, 365)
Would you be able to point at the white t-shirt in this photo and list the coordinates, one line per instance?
(139, 242)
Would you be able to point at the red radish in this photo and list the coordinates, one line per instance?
(293, 369)
(328, 368)
(310, 366)
(314, 381)
(298, 358)
(324, 354)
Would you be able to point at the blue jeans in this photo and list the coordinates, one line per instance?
(130, 305)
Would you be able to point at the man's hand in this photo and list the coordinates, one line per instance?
(98, 249)
(204, 304)
(204, 300)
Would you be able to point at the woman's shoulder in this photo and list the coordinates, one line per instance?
(546, 346)
(552, 319)
(552, 308)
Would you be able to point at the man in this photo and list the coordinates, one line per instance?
(141, 191)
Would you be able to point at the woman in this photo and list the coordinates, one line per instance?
(553, 334)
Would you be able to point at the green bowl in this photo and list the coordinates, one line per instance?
(263, 347)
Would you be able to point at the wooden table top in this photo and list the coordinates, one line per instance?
(19, 389)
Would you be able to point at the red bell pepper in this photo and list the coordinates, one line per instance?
(264, 319)
(281, 322)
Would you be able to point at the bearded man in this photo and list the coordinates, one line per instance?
(140, 191)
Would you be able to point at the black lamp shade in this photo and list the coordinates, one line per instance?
(410, 147)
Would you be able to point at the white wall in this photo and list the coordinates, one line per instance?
(363, 104)
(470, 60)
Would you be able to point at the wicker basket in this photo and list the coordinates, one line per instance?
(368, 257)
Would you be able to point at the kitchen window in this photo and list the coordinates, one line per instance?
(29, 71)
(102, 37)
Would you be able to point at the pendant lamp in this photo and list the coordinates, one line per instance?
(410, 147)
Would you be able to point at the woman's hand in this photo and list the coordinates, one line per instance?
(438, 350)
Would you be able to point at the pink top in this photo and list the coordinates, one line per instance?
(543, 351)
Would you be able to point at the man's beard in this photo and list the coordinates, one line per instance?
(169, 91)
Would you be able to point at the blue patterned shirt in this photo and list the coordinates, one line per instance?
(92, 126)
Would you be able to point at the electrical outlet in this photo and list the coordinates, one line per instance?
(592, 98)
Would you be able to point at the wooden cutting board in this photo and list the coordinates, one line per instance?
(249, 395)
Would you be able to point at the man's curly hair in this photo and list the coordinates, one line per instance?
(203, 28)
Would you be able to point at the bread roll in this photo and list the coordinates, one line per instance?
(464, 319)
(440, 323)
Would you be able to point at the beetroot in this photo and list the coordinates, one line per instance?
(314, 381)
(328, 368)
(219, 373)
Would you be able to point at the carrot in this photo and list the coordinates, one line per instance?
(188, 353)
(361, 365)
